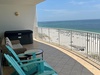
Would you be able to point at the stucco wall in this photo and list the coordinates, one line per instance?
(25, 20)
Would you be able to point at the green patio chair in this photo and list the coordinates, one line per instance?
(47, 67)
(24, 68)
(12, 53)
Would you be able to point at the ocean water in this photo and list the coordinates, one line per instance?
(92, 25)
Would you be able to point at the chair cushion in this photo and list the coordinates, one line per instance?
(8, 42)
(16, 46)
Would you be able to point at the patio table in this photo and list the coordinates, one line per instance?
(31, 51)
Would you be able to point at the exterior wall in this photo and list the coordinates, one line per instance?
(25, 20)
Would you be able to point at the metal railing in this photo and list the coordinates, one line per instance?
(83, 42)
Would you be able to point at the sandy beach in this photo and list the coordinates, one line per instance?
(77, 40)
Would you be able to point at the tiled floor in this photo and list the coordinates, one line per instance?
(62, 63)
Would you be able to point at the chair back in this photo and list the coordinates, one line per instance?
(14, 64)
(12, 52)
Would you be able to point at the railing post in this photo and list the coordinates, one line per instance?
(71, 39)
(99, 47)
(41, 34)
(59, 36)
(36, 32)
(87, 44)
(49, 34)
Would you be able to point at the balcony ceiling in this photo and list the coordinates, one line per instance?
(20, 2)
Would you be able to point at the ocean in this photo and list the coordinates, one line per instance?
(92, 25)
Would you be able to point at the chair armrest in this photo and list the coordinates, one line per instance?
(20, 50)
(15, 42)
(30, 63)
(31, 60)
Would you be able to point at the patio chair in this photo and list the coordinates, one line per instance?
(12, 53)
(24, 69)
(46, 65)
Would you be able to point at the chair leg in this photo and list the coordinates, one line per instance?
(41, 67)
(34, 55)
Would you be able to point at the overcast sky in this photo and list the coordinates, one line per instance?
(59, 10)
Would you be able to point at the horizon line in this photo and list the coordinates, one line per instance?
(68, 20)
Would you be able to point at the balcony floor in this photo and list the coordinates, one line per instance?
(62, 63)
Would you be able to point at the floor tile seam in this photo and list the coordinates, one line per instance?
(81, 69)
(64, 64)
(72, 68)
(61, 59)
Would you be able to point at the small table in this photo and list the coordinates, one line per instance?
(31, 51)
(22, 56)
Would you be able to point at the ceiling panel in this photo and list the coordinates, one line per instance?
(21, 2)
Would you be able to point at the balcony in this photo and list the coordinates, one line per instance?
(61, 62)
(66, 60)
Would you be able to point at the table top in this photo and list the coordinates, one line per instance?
(31, 51)
(22, 55)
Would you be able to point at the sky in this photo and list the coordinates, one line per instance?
(61, 10)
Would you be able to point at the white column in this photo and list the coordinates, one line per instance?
(35, 27)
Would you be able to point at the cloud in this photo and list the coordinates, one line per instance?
(83, 2)
(73, 10)
(77, 3)
(55, 10)
(97, 6)
(59, 11)
(54, 15)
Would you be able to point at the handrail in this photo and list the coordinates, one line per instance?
(84, 42)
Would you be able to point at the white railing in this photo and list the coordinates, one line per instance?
(85, 43)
